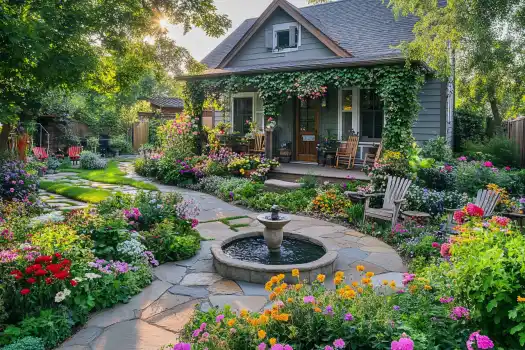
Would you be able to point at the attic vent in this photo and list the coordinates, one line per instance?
(284, 37)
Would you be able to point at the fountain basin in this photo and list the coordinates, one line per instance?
(231, 262)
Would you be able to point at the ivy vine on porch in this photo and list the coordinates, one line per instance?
(397, 85)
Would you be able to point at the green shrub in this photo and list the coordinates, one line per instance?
(26, 343)
(473, 176)
(308, 181)
(172, 241)
(355, 213)
(437, 178)
(117, 201)
(121, 144)
(468, 127)
(437, 149)
(91, 161)
(500, 150)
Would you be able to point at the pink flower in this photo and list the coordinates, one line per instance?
(482, 341)
(261, 346)
(459, 312)
(501, 221)
(404, 343)
(339, 343)
(270, 119)
(309, 299)
(508, 168)
(459, 216)
(446, 300)
(436, 245)
(445, 250)
(11, 190)
(219, 318)
(328, 347)
(462, 159)
(408, 277)
(488, 164)
(182, 346)
(474, 210)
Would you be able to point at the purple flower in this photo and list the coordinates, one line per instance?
(459, 312)
(310, 299)
(397, 307)
(482, 341)
(219, 318)
(404, 343)
(196, 333)
(203, 326)
(328, 347)
(446, 300)
(462, 159)
(339, 343)
(182, 346)
(261, 346)
(349, 317)
(329, 310)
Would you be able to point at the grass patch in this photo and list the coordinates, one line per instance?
(111, 175)
(226, 221)
(83, 194)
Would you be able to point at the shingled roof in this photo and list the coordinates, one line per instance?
(365, 28)
(167, 102)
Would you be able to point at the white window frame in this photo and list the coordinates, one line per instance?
(254, 96)
(356, 117)
(282, 27)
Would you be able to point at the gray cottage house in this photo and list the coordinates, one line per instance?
(345, 33)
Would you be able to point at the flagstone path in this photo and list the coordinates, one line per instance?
(157, 315)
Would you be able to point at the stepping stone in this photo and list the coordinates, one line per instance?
(225, 287)
(205, 307)
(354, 233)
(253, 289)
(368, 267)
(134, 335)
(378, 249)
(372, 242)
(202, 266)
(347, 256)
(251, 303)
(170, 272)
(165, 302)
(194, 292)
(75, 347)
(274, 185)
(175, 319)
(83, 337)
(388, 261)
(200, 279)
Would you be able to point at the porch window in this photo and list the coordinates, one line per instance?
(242, 111)
(346, 112)
(372, 114)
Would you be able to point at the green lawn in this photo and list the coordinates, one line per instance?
(90, 195)
(111, 175)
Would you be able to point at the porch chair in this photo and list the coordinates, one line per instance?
(347, 152)
(372, 158)
(258, 144)
(486, 200)
(40, 153)
(74, 153)
(394, 196)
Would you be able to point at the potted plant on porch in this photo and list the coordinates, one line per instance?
(328, 145)
(285, 152)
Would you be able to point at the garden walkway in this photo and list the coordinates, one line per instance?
(157, 315)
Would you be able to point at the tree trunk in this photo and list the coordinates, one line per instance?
(4, 137)
(494, 125)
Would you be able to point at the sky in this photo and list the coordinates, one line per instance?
(200, 45)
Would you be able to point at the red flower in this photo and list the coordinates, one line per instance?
(61, 275)
(44, 259)
(31, 280)
(36, 267)
(436, 245)
(58, 255)
(49, 280)
(54, 268)
(459, 216)
(15, 273)
(65, 262)
(29, 270)
(40, 272)
(474, 210)
(73, 283)
(25, 291)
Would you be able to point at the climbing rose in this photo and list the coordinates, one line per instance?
(404, 343)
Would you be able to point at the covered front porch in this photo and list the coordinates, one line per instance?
(296, 170)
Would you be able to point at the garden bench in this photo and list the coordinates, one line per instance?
(486, 200)
(347, 152)
(394, 196)
(40, 153)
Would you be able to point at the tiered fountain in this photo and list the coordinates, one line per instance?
(256, 256)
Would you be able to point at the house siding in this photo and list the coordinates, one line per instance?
(433, 102)
(255, 51)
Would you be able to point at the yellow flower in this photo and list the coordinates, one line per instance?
(338, 281)
(273, 295)
(355, 283)
(340, 274)
(231, 322)
(290, 300)
(427, 287)
(274, 279)
(295, 272)
(360, 290)
(349, 294)
(280, 277)
(412, 288)
(521, 299)
(370, 274)
(284, 286)
(244, 313)
(321, 278)
(263, 319)
(317, 309)
(298, 286)
(365, 280)
(268, 286)
(385, 282)
(393, 284)
(261, 334)
(360, 268)
(273, 341)
(242, 171)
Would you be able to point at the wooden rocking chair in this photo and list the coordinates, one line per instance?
(258, 144)
(394, 196)
(372, 158)
(347, 152)
(486, 200)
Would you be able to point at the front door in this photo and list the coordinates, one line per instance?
(306, 132)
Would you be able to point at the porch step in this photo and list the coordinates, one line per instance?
(273, 185)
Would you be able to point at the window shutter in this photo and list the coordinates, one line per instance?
(293, 33)
(269, 39)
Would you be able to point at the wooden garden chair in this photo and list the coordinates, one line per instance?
(258, 144)
(40, 153)
(74, 153)
(394, 197)
(486, 200)
(347, 152)
(371, 158)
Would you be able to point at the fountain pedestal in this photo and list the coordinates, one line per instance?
(273, 231)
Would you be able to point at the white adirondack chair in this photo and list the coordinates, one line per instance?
(394, 196)
(486, 200)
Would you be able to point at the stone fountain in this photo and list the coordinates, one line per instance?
(273, 228)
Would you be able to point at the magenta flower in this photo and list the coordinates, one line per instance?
(459, 312)
(436, 245)
(277, 347)
(261, 346)
(196, 333)
(310, 299)
(203, 326)
(182, 346)
(446, 300)
(404, 343)
(488, 164)
(349, 317)
(462, 159)
(288, 347)
(482, 341)
(508, 168)
(328, 347)
(219, 318)
(408, 277)
(339, 343)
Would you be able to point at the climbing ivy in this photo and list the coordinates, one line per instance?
(398, 87)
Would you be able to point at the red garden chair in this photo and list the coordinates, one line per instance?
(40, 153)
(74, 153)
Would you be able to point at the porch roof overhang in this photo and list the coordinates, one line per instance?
(337, 62)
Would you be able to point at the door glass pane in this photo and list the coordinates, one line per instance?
(347, 125)
(371, 114)
(242, 112)
(347, 100)
(307, 115)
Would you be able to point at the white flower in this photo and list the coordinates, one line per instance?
(91, 275)
(78, 279)
(67, 292)
(60, 296)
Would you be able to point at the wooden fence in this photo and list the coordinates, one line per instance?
(516, 132)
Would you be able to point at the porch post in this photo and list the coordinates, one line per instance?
(268, 144)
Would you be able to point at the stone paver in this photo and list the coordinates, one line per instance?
(225, 287)
(252, 288)
(170, 272)
(165, 302)
(175, 319)
(195, 292)
(200, 279)
(83, 337)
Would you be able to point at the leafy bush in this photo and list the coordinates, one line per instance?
(57, 238)
(26, 343)
(437, 149)
(473, 176)
(308, 181)
(355, 213)
(500, 150)
(120, 143)
(437, 178)
(468, 127)
(293, 201)
(329, 203)
(172, 241)
(91, 161)
(434, 202)
(93, 143)
(53, 163)
(155, 207)
(17, 182)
